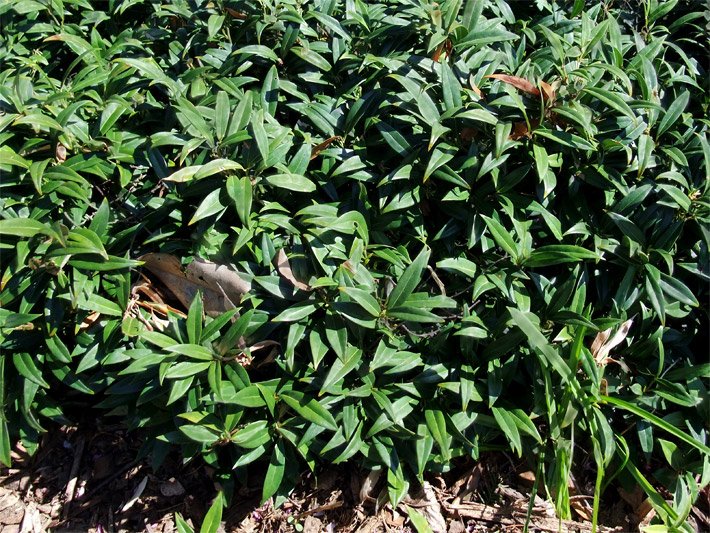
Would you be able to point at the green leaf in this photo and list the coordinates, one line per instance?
(673, 112)
(259, 51)
(181, 525)
(656, 421)
(418, 521)
(203, 171)
(24, 227)
(341, 368)
(409, 280)
(507, 424)
(309, 409)
(9, 157)
(364, 299)
(213, 518)
(185, 369)
(275, 472)
(654, 291)
(296, 312)
(502, 237)
(565, 139)
(194, 320)
(259, 133)
(253, 435)
(199, 433)
(555, 254)
(240, 191)
(612, 99)
(436, 423)
(211, 205)
(538, 342)
(291, 182)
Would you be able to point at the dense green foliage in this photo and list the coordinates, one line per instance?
(455, 239)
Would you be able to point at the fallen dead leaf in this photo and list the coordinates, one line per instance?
(428, 505)
(171, 488)
(312, 525)
(89, 320)
(236, 14)
(136, 494)
(221, 285)
(368, 484)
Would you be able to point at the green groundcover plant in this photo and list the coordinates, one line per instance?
(465, 225)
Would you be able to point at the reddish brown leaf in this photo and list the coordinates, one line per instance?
(322, 146)
(520, 129)
(467, 135)
(437, 53)
(519, 83)
(236, 14)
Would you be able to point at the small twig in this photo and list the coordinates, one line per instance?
(437, 280)
(111, 478)
(321, 508)
(71, 484)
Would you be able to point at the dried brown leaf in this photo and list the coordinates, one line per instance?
(221, 285)
(317, 149)
(603, 345)
(520, 129)
(437, 53)
(476, 89)
(60, 152)
(236, 14)
(548, 92)
(284, 268)
(519, 83)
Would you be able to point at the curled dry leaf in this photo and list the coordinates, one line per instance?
(60, 152)
(602, 345)
(548, 92)
(284, 268)
(221, 285)
(368, 485)
(475, 88)
(444, 48)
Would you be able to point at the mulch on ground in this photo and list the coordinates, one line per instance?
(91, 481)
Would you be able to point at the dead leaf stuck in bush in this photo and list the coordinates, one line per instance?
(221, 285)
(602, 345)
(519, 83)
(284, 268)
